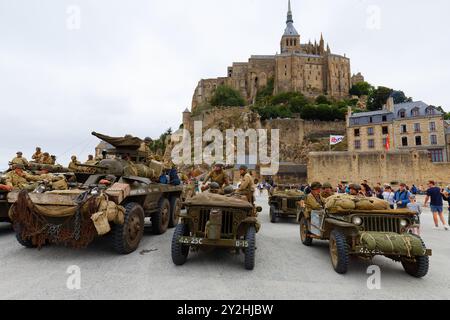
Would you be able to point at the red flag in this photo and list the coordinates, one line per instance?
(388, 143)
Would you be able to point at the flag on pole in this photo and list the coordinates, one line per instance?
(334, 140)
(388, 143)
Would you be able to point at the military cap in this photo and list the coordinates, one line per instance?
(316, 185)
(327, 185)
(19, 153)
(243, 167)
(219, 164)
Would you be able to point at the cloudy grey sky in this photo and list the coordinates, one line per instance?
(132, 66)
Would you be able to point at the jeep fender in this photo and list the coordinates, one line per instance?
(250, 221)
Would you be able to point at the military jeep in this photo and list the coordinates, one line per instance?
(216, 221)
(368, 234)
(284, 202)
(4, 206)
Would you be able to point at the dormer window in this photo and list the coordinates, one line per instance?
(415, 112)
(430, 111)
(402, 113)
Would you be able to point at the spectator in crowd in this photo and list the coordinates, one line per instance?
(414, 206)
(365, 190)
(436, 204)
(446, 197)
(414, 189)
(378, 192)
(401, 197)
(389, 196)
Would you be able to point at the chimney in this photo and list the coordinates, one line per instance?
(390, 104)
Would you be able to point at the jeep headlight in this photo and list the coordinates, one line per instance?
(404, 223)
(357, 220)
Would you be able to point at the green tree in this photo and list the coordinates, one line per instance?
(265, 94)
(309, 112)
(378, 97)
(322, 100)
(400, 97)
(226, 96)
(361, 89)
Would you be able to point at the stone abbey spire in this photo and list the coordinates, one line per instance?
(290, 42)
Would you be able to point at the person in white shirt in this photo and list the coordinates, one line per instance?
(389, 195)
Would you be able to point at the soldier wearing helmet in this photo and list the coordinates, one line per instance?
(20, 159)
(218, 176)
(247, 186)
(327, 190)
(314, 200)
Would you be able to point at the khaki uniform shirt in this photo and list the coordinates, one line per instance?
(220, 178)
(73, 166)
(311, 203)
(91, 162)
(37, 157)
(21, 161)
(247, 184)
(16, 181)
(47, 160)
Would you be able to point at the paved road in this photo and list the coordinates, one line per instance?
(285, 270)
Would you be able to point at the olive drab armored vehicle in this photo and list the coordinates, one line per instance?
(216, 221)
(115, 200)
(285, 202)
(4, 206)
(366, 231)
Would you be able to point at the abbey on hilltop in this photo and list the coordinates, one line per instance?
(309, 68)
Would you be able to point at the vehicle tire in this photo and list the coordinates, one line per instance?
(126, 237)
(339, 252)
(180, 252)
(307, 241)
(175, 210)
(419, 268)
(26, 243)
(250, 251)
(273, 215)
(160, 219)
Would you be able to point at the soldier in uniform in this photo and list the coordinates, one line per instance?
(19, 159)
(53, 159)
(314, 200)
(20, 179)
(37, 156)
(214, 188)
(327, 190)
(73, 165)
(355, 190)
(46, 159)
(247, 186)
(218, 175)
(90, 161)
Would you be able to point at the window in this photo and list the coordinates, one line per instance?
(370, 120)
(356, 121)
(384, 119)
(430, 111)
(432, 126)
(385, 130)
(357, 144)
(357, 132)
(404, 128)
(433, 139)
(402, 113)
(404, 141)
(370, 131)
(437, 155)
(418, 141)
(371, 144)
(415, 112)
(416, 127)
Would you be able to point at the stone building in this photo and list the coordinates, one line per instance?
(405, 126)
(309, 68)
(357, 78)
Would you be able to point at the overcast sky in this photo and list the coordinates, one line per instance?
(132, 66)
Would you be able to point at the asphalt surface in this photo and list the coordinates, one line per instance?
(285, 269)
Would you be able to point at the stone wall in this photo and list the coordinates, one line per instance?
(398, 166)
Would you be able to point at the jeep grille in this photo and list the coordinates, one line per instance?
(381, 224)
(228, 218)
